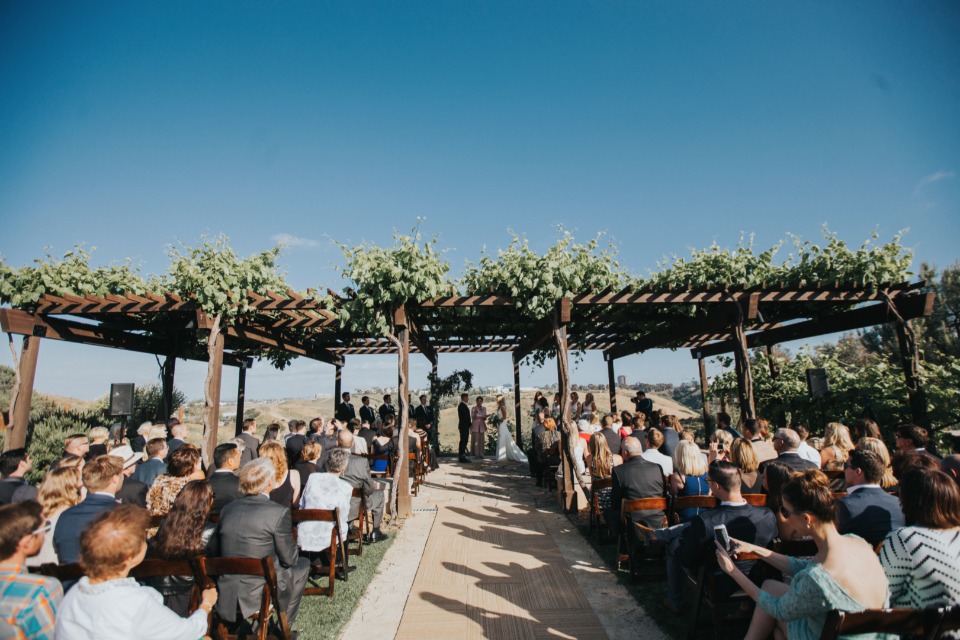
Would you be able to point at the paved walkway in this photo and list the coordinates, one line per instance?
(488, 555)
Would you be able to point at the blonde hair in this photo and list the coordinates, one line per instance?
(60, 488)
(602, 464)
(275, 453)
(98, 432)
(722, 436)
(744, 455)
(878, 447)
(688, 460)
(838, 435)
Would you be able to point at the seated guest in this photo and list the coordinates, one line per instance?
(741, 519)
(787, 442)
(744, 456)
(382, 445)
(671, 429)
(652, 453)
(61, 489)
(689, 477)
(752, 431)
(184, 533)
(910, 437)
(272, 434)
(154, 466)
(102, 477)
(845, 575)
(922, 560)
(359, 444)
(139, 443)
(224, 480)
(867, 510)
(775, 475)
(183, 465)
(635, 478)
(723, 424)
(610, 434)
(904, 461)
(250, 442)
(721, 442)
(837, 446)
(601, 463)
(132, 491)
(295, 441)
(256, 527)
(326, 491)
(865, 428)
(178, 431)
(889, 481)
(75, 445)
(950, 465)
(98, 442)
(30, 602)
(286, 489)
(357, 475)
(14, 465)
(809, 448)
(306, 466)
(106, 604)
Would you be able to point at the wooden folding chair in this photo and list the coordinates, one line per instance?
(62, 572)
(153, 568)
(207, 570)
(917, 623)
(357, 535)
(155, 520)
(338, 550)
(755, 499)
(596, 518)
(416, 460)
(627, 540)
(705, 592)
(550, 469)
(388, 472)
(689, 502)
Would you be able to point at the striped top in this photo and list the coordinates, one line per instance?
(922, 566)
(29, 602)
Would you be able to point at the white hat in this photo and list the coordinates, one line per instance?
(128, 455)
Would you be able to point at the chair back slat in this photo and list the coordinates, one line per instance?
(62, 572)
(755, 499)
(314, 515)
(925, 623)
(690, 502)
(153, 568)
(643, 504)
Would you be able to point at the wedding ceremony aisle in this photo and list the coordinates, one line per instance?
(487, 554)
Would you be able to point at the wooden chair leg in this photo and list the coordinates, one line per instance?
(695, 609)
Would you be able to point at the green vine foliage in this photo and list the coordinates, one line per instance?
(411, 271)
(537, 282)
(69, 275)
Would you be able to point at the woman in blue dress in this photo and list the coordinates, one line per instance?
(689, 477)
(845, 574)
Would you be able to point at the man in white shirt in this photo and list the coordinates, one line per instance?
(804, 450)
(650, 454)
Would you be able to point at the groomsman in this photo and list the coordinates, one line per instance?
(367, 414)
(463, 425)
(387, 409)
(345, 411)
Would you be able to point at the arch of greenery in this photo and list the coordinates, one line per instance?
(215, 306)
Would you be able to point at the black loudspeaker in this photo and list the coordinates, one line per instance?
(121, 399)
(817, 383)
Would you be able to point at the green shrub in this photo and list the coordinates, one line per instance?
(47, 432)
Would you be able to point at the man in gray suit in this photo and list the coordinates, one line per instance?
(357, 475)
(867, 510)
(250, 442)
(255, 527)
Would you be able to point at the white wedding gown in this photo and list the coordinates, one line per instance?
(507, 449)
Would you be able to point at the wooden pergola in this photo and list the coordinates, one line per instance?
(618, 323)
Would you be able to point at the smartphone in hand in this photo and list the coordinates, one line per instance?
(720, 535)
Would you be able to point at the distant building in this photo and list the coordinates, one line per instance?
(621, 381)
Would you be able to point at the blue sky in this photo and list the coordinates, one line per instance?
(131, 126)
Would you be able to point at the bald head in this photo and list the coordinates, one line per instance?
(345, 439)
(786, 440)
(632, 447)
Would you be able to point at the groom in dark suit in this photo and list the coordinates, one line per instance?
(256, 527)
(463, 425)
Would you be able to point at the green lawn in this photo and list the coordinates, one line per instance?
(323, 618)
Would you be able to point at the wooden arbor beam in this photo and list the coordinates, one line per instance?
(544, 330)
(422, 341)
(264, 337)
(909, 306)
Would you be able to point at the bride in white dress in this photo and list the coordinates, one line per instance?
(507, 449)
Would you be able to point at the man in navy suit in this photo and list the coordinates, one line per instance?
(786, 442)
(867, 510)
(155, 466)
(224, 480)
(745, 522)
(103, 477)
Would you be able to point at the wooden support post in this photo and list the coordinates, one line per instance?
(16, 436)
(167, 374)
(744, 375)
(517, 411)
(776, 409)
(241, 396)
(211, 423)
(404, 503)
(915, 393)
(337, 387)
(709, 426)
(612, 381)
(434, 435)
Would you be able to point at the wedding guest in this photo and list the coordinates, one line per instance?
(14, 465)
(326, 491)
(184, 533)
(108, 605)
(844, 575)
(689, 477)
(868, 443)
(478, 428)
(837, 446)
(61, 489)
(743, 455)
(98, 442)
(29, 603)
(183, 465)
(154, 467)
(287, 481)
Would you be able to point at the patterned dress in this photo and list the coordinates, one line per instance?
(164, 491)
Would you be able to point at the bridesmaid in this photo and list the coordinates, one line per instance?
(478, 428)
